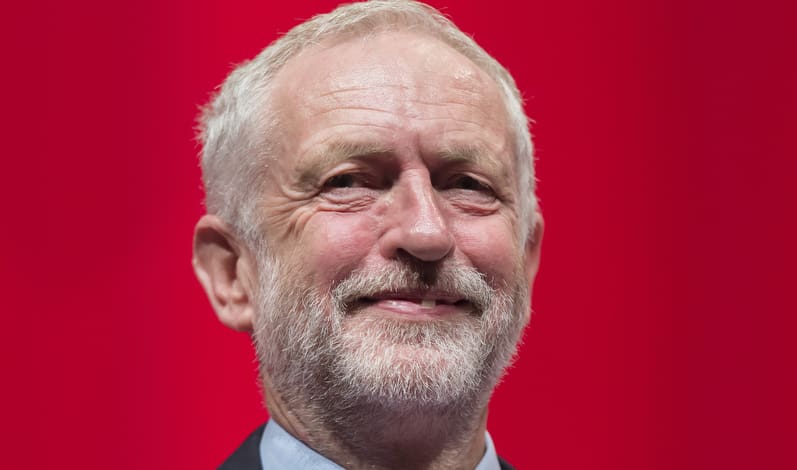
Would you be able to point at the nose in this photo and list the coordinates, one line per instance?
(415, 225)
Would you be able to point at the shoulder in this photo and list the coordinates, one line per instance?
(247, 455)
(504, 465)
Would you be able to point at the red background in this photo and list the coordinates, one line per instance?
(664, 325)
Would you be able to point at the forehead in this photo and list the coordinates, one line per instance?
(394, 80)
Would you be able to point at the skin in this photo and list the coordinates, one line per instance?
(392, 146)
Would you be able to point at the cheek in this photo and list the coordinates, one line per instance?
(491, 247)
(339, 243)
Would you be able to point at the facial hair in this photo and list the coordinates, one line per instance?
(323, 352)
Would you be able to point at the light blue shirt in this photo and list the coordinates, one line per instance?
(281, 451)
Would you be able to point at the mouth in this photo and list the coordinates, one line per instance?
(416, 304)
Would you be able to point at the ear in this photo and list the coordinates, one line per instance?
(533, 246)
(224, 267)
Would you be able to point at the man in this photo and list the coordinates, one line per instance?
(372, 223)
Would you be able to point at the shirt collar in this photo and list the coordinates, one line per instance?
(279, 450)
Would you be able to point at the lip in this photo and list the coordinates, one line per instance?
(416, 304)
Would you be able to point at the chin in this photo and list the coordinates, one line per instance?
(413, 364)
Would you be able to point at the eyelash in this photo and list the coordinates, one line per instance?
(469, 183)
(345, 180)
(353, 180)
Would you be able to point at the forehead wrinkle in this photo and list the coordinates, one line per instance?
(343, 89)
(352, 108)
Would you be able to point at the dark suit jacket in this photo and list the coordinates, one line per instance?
(247, 456)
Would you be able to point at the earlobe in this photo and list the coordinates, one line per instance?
(533, 247)
(224, 269)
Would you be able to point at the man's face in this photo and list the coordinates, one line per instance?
(391, 223)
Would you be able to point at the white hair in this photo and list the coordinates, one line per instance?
(238, 129)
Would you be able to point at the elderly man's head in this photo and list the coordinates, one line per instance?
(240, 128)
(373, 220)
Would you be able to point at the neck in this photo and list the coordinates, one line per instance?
(371, 436)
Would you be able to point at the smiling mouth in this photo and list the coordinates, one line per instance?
(425, 303)
(429, 305)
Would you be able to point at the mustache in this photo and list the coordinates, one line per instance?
(459, 281)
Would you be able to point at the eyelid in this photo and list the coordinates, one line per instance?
(358, 179)
(362, 175)
(339, 170)
(496, 190)
(456, 178)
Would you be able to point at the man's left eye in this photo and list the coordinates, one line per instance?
(470, 183)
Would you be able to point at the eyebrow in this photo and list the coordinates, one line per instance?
(326, 157)
(476, 155)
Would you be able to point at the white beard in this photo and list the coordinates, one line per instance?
(321, 354)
